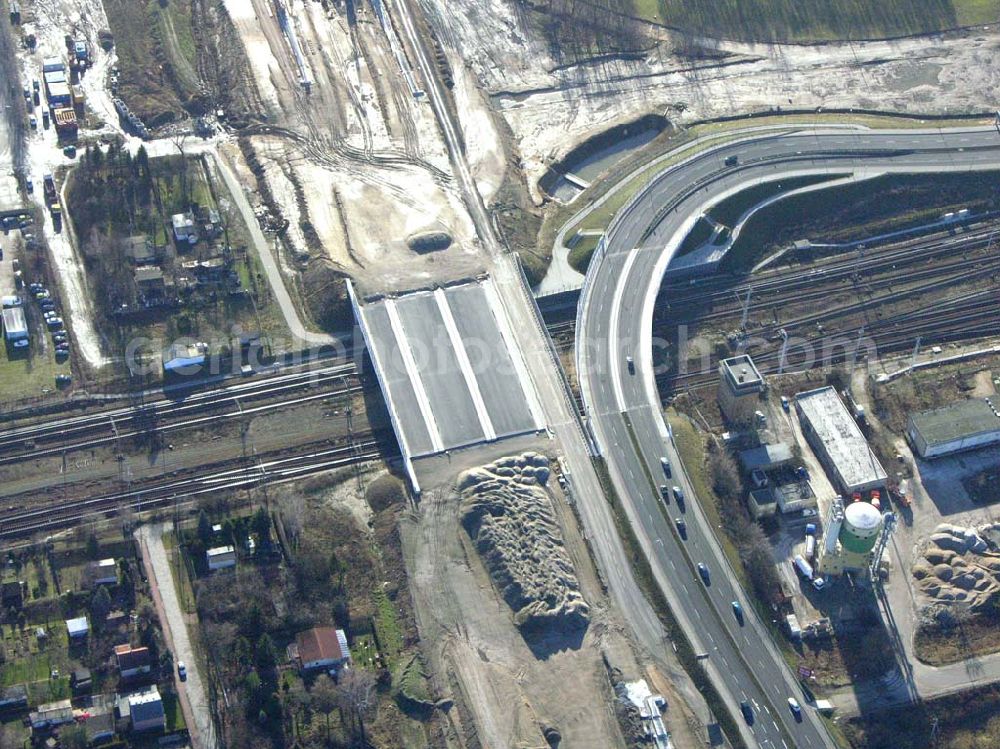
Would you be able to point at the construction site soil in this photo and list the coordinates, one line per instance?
(510, 686)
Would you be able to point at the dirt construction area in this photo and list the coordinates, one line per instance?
(552, 103)
(515, 686)
(351, 154)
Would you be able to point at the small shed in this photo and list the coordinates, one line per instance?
(101, 572)
(14, 698)
(78, 628)
(12, 594)
(80, 680)
(184, 228)
(15, 327)
(221, 557)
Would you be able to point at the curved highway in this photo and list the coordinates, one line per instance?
(624, 412)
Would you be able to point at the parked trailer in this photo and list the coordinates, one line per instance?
(810, 547)
(803, 567)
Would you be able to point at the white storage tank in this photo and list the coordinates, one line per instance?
(862, 524)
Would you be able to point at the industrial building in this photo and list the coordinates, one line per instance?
(851, 535)
(965, 425)
(740, 386)
(838, 442)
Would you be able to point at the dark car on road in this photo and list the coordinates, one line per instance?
(793, 705)
(738, 612)
(747, 712)
(703, 571)
(682, 528)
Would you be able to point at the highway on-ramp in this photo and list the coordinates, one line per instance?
(623, 407)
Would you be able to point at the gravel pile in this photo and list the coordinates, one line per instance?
(960, 566)
(508, 513)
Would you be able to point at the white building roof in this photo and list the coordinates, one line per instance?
(78, 626)
(844, 444)
(220, 550)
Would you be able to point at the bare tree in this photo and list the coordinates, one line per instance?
(324, 698)
(355, 697)
(293, 514)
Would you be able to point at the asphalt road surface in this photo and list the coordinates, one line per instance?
(624, 408)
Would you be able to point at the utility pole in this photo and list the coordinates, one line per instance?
(854, 353)
(916, 350)
(746, 311)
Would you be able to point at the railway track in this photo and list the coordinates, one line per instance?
(726, 299)
(975, 315)
(92, 430)
(719, 299)
(276, 468)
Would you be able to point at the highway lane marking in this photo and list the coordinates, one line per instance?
(616, 380)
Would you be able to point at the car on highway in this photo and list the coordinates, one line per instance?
(665, 493)
(682, 528)
(667, 470)
(732, 160)
(631, 364)
(738, 612)
(703, 571)
(182, 671)
(793, 705)
(747, 712)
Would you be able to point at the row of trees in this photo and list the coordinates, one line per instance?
(748, 537)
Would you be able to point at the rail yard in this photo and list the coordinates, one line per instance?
(104, 443)
(941, 287)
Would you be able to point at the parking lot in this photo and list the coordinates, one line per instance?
(44, 364)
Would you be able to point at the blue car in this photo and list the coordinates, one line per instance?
(738, 612)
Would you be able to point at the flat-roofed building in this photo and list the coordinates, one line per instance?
(838, 442)
(221, 557)
(965, 425)
(15, 327)
(740, 386)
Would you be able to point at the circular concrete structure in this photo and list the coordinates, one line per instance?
(862, 524)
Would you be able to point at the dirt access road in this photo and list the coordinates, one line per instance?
(194, 700)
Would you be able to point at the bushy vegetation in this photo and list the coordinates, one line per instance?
(970, 720)
(859, 210)
(580, 30)
(801, 20)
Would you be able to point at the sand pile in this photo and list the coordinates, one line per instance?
(508, 514)
(960, 566)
